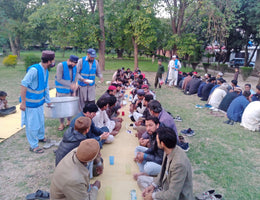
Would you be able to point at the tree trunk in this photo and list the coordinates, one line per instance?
(135, 53)
(246, 51)
(102, 42)
(227, 56)
(120, 53)
(253, 53)
(63, 54)
(92, 6)
(17, 46)
(13, 48)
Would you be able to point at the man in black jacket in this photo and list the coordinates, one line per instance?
(149, 160)
(100, 134)
(72, 138)
(206, 89)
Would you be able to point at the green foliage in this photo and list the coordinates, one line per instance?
(194, 65)
(140, 16)
(206, 66)
(68, 23)
(188, 47)
(223, 68)
(163, 58)
(246, 72)
(31, 59)
(10, 61)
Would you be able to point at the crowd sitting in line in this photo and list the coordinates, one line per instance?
(230, 99)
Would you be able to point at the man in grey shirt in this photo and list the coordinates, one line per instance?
(87, 70)
(65, 82)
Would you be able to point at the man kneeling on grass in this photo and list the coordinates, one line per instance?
(71, 177)
(175, 179)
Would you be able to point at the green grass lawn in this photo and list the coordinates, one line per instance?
(223, 157)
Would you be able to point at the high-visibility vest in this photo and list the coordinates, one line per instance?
(66, 76)
(176, 64)
(36, 98)
(88, 73)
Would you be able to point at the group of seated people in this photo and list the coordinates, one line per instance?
(231, 99)
(97, 125)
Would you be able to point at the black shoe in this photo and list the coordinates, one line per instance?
(231, 122)
(227, 122)
(132, 118)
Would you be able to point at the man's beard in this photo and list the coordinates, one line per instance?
(90, 61)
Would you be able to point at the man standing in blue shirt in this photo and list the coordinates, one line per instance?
(34, 93)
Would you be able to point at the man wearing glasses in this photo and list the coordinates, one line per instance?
(65, 82)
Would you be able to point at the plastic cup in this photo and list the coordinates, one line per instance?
(108, 193)
(123, 113)
(111, 160)
(128, 168)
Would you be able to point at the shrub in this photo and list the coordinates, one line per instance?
(194, 64)
(31, 59)
(10, 61)
(206, 66)
(223, 68)
(246, 72)
(184, 62)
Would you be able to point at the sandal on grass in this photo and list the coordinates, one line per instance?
(36, 150)
(39, 194)
(44, 140)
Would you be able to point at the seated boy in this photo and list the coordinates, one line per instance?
(4, 109)
(101, 119)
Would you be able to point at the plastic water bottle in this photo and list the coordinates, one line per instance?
(133, 195)
(130, 98)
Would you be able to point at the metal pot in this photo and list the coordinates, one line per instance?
(62, 107)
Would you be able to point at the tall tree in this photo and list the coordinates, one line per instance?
(179, 16)
(16, 13)
(140, 26)
(67, 23)
(101, 41)
(116, 24)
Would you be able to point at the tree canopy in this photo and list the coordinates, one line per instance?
(130, 26)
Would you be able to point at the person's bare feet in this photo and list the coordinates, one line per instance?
(136, 175)
(61, 127)
(68, 123)
(114, 133)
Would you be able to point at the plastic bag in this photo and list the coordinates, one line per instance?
(161, 81)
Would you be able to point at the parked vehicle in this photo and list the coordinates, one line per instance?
(237, 62)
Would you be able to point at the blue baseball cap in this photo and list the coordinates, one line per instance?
(92, 53)
(74, 58)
